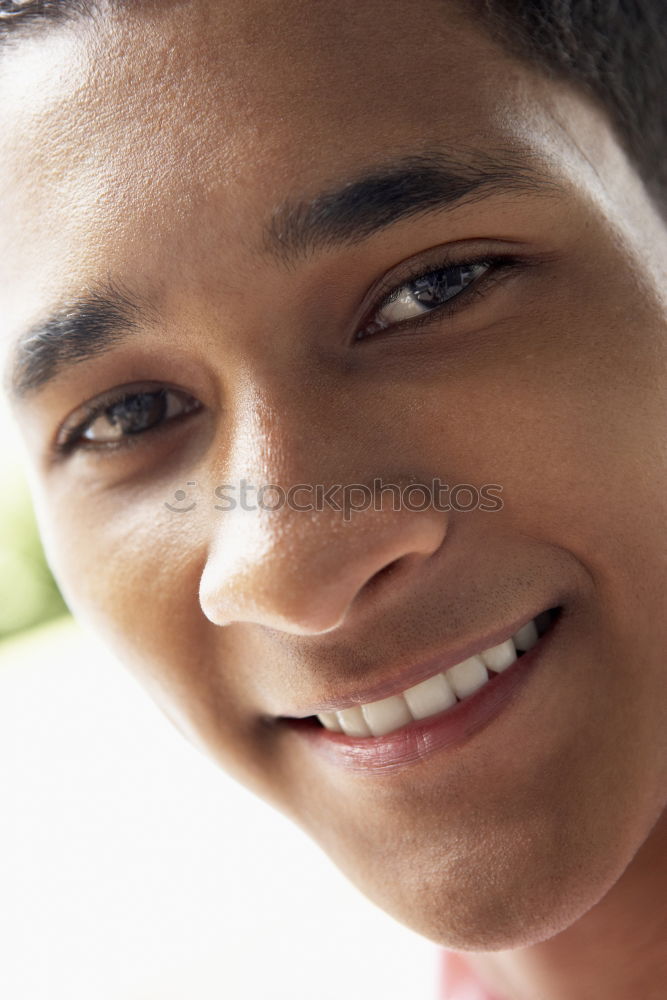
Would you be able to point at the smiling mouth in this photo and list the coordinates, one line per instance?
(439, 692)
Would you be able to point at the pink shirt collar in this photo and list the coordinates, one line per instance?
(458, 981)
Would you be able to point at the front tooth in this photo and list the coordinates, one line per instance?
(352, 722)
(500, 657)
(386, 715)
(468, 676)
(330, 721)
(430, 697)
(526, 637)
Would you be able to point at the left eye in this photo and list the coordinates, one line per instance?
(112, 421)
(423, 294)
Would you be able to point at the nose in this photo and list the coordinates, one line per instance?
(303, 571)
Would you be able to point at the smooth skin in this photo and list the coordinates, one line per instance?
(152, 148)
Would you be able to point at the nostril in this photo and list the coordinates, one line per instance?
(383, 575)
(389, 568)
(386, 571)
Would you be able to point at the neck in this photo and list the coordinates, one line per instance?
(616, 950)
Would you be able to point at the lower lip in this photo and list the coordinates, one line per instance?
(449, 729)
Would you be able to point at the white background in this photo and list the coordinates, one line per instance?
(131, 867)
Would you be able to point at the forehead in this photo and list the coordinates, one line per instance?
(133, 136)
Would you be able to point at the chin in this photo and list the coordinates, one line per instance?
(504, 893)
(472, 919)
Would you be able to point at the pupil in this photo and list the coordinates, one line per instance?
(138, 412)
(438, 286)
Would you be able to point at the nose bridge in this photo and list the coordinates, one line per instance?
(304, 527)
(289, 433)
(295, 429)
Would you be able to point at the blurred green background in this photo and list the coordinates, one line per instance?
(28, 592)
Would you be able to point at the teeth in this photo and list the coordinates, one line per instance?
(467, 677)
(500, 657)
(430, 697)
(526, 637)
(437, 693)
(386, 715)
(352, 722)
(330, 721)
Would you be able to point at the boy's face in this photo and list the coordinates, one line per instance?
(158, 153)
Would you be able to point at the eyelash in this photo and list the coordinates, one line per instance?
(498, 267)
(71, 440)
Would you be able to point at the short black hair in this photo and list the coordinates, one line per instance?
(614, 50)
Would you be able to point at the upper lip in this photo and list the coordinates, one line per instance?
(402, 677)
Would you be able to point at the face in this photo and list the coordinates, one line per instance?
(209, 209)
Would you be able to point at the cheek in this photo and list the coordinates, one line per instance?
(130, 569)
(566, 409)
(569, 418)
(134, 578)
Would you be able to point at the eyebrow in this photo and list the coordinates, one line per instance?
(393, 191)
(80, 330)
(343, 215)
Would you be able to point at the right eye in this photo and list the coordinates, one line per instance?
(426, 293)
(114, 419)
